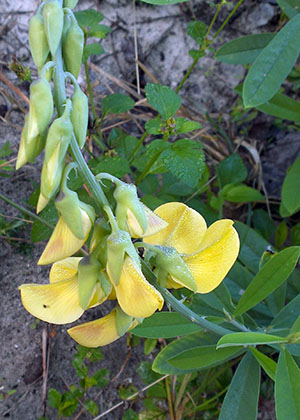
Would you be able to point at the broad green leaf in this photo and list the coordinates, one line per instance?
(91, 407)
(165, 325)
(90, 49)
(185, 126)
(268, 364)
(279, 105)
(163, 2)
(288, 315)
(287, 388)
(202, 357)
(88, 17)
(198, 348)
(231, 170)
(185, 160)
(243, 50)
(248, 339)
(115, 165)
(41, 232)
(163, 99)
(273, 65)
(241, 194)
(116, 103)
(268, 279)
(289, 7)
(241, 400)
(5, 150)
(197, 31)
(290, 188)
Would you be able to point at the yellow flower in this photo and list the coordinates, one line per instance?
(58, 301)
(100, 332)
(208, 253)
(63, 243)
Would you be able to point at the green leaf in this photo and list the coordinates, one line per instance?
(91, 49)
(5, 150)
(165, 325)
(163, 99)
(289, 7)
(273, 65)
(130, 415)
(116, 103)
(91, 407)
(185, 160)
(191, 353)
(163, 2)
(197, 31)
(231, 170)
(280, 106)
(288, 315)
(291, 184)
(263, 223)
(241, 400)
(40, 232)
(269, 278)
(115, 165)
(54, 398)
(243, 50)
(268, 365)
(185, 126)
(155, 126)
(248, 339)
(89, 17)
(287, 388)
(241, 194)
(149, 345)
(296, 326)
(281, 234)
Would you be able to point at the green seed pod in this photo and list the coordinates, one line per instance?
(79, 115)
(73, 48)
(57, 143)
(38, 40)
(70, 4)
(54, 22)
(41, 107)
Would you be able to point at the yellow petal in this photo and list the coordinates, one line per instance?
(185, 230)
(96, 333)
(214, 233)
(134, 227)
(210, 266)
(63, 243)
(135, 295)
(64, 269)
(57, 303)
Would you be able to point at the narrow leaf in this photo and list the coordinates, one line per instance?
(269, 278)
(268, 365)
(289, 7)
(287, 388)
(273, 65)
(248, 339)
(243, 50)
(290, 187)
(241, 400)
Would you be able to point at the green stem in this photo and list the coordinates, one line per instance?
(227, 19)
(182, 309)
(187, 74)
(148, 167)
(28, 212)
(138, 144)
(90, 91)
(219, 7)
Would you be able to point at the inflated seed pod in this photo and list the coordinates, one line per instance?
(38, 40)
(54, 21)
(41, 107)
(57, 143)
(72, 48)
(70, 3)
(79, 115)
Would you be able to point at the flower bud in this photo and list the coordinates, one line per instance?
(38, 40)
(72, 48)
(57, 143)
(70, 4)
(54, 21)
(79, 115)
(41, 108)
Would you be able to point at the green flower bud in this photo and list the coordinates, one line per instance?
(70, 4)
(169, 261)
(54, 22)
(118, 245)
(88, 275)
(72, 47)
(38, 40)
(130, 211)
(57, 143)
(41, 108)
(79, 115)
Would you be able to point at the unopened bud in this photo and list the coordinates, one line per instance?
(72, 47)
(79, 115)
(54, 21)
(38, 40)
(41, 108)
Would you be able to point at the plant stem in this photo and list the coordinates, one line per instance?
(187, 74)
(28, 212)
(227, 19)
(90, 91)
(219, 7)
(148, 167)
(138, 144)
